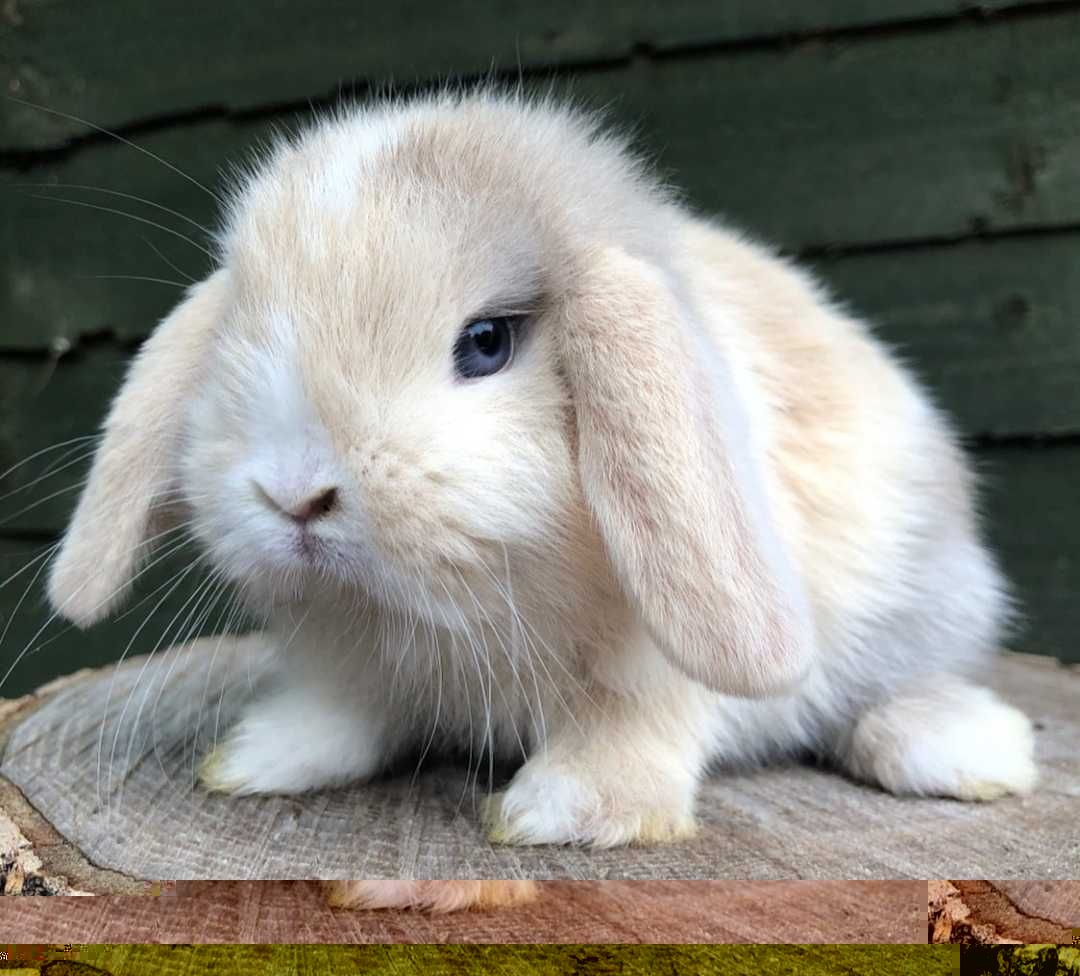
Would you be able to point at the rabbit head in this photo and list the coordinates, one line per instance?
(447, 338)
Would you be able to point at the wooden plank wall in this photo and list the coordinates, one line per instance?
(923, 155)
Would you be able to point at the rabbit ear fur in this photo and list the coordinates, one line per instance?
(677, 494)
(126, 497)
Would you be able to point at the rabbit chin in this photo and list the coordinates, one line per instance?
(327, 576)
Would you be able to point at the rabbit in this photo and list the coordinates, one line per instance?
(514, 454)
(430, 896)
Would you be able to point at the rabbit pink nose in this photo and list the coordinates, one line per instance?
(307, 509)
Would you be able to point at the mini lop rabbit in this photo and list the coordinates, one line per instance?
(514, 453)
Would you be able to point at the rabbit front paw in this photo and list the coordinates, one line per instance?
(549, 802)
(291, 744)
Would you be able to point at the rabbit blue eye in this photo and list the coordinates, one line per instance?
(484, 347)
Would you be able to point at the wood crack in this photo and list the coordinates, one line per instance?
(988, 912)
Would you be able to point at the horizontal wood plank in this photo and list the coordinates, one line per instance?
(52, 410)
(1030, 504)
(897, 138)
(904, 137)
(59, 242)
(277, 915)
(992, 326)
(123, 61)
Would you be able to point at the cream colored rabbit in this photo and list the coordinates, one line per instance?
(512, 452)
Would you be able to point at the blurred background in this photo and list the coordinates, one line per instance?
(922, 155)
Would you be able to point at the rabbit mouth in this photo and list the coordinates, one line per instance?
(309, 548)
(280, 569)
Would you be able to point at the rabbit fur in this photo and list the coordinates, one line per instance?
(703, 517)
(430, 896)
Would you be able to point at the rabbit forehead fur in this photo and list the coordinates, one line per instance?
(473, 199)
(356, 254)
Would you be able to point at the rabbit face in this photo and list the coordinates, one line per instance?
(452, 365)
(384, 413)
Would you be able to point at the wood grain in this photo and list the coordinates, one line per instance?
(131, 808)
(1057, 903)
(50, 50)
(566, 912)
(1003, 912)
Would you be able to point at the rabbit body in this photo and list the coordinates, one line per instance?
(703, 517)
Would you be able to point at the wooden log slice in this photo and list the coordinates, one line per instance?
(97, 783)
(1004, 912)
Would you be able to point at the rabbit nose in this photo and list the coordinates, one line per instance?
(307, 509)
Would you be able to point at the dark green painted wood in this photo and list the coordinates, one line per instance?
(48, 409)
(993, 326)
(878, 136)
(53, 250)
(1030, 500)
(884, 138)
(1031, 494)
(130, 60)
(893, 138)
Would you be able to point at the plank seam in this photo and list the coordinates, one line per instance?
(980, 233)
(20, 160)
(825, 253)
(1046, 440)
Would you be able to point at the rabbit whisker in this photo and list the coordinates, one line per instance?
(119, 138)
(135, 217)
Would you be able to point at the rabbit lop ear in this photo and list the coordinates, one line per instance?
(678, 495)
(127, 496)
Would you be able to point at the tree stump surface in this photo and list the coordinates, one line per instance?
(97, 783)
(1004, 912)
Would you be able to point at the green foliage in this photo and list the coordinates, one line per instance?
(1024, 960)
(514, 960)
